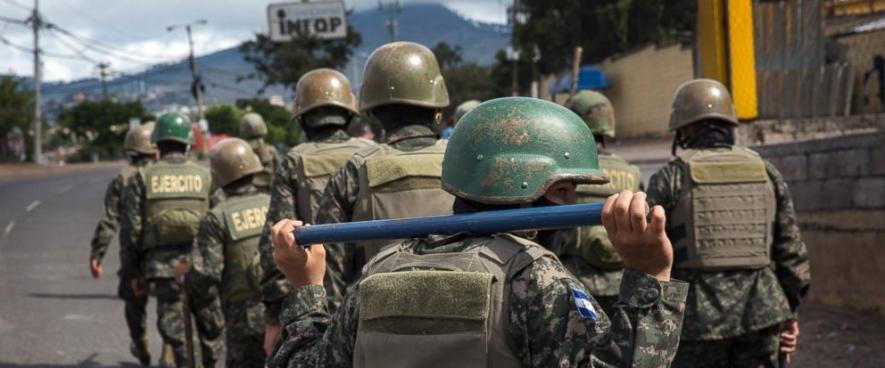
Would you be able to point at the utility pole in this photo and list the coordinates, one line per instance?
(104, 85)
(38, 126)
(197, 84)
(393, 9)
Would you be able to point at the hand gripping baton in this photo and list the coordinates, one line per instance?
(489, 222)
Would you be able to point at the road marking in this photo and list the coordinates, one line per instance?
(77, 317)
(9, 228)
(65, 188)
(32, 206)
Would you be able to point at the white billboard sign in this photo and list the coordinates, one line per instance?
(323, 19)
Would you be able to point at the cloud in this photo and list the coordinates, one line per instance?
(137, 29)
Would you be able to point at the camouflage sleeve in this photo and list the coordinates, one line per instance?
(130, 228)
(789, 253)
(643, 332)
(207, 261)
(337, 206)
(110, 218)
(663, 186)
(313, 338)
(274, 286)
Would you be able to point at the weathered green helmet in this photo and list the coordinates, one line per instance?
(510, 150)
(231, 159)
(323, 87)
(464, 108)
(138, 140)
(173, 127)
(403, 73)
(701, 99)
(596, 110)
(252, 126)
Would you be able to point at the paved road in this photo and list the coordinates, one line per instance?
(52, 313)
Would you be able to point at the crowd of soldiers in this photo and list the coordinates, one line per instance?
(216, 244)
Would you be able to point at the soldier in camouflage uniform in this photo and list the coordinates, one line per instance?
(324, 104)
(165, 202)
(498, 300)
(225, 256)
(587, 251)
(253, 129)
(141, 152)
(404, 89)
(735, 235)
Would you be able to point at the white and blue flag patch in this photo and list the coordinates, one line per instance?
(585, 307)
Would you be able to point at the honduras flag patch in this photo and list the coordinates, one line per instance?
(585, 307)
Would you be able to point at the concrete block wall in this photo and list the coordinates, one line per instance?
(838, 185)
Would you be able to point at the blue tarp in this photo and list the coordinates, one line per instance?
(590, 77)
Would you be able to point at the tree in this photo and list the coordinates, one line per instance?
(16, 108)
(281, 130)
(102, 124)
(224, 119)
(464, 81)
(603, 28)
(285, 62)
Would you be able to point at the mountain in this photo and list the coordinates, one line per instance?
(167, 86)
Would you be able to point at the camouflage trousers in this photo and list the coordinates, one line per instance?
(170, 322)
(245, 333)
(755, 349)
(135, 310)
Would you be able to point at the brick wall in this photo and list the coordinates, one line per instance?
(838, 185)
(643, 83)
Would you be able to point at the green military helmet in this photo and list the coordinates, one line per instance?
(464, 108)
(173, 127)
(252, 126)
(511, 150)
(403, 73)
(701, 99)
(323, 87)
(596, 110)
(231, 159)
(138, 140)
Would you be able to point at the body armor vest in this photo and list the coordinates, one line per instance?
(455, 306)
(244, 219)
(724, 216)
(593, 244)
(399, 184)
(176, 198)
(316, 163)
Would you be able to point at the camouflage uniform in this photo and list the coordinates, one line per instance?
(337, 205)
(729, 306)
(536, 320)
(587, 251)
(270, 160)
(545, 326)
(323, 104)
(734, 309)
(135, 308)
(244, 319)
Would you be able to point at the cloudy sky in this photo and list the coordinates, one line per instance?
(132, 33)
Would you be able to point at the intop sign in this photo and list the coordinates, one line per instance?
(324, 20)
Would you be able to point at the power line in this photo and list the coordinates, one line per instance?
(12, 20)
(17, 5)
(94, 48)
(76, 50)
(105, 48)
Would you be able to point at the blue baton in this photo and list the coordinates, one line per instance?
(490, 222)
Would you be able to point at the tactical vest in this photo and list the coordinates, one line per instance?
(265, 154)
(724, 216)
(441, 310)
(176, 198)
(593, 244)
(243, 221)
(398, 184)
(316, 163)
